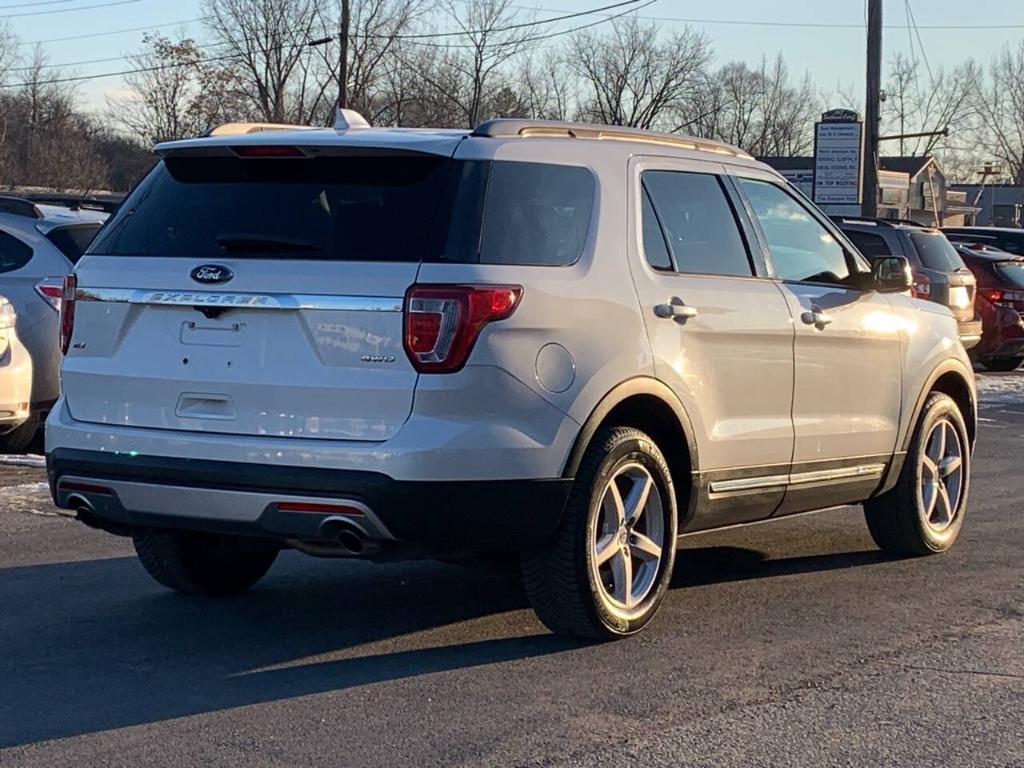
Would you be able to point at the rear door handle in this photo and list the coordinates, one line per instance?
(816, 317)
(676, 310)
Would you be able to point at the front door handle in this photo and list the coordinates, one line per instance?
(676, 310)
(816, 317)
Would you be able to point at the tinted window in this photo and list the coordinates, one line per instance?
(868, 244)
(536, 214)
(936, 252)
(655, 250)
(340, 208)
(801, 248)
(14, 254)
(72, 241)
(1012, 244)
(1011, 271)
(699, 224)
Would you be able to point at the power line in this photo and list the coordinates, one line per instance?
(228, 57)
(67, 10)
(917, 33)
(88, 35)
(800, 24)
(412, 37)
(35, 4)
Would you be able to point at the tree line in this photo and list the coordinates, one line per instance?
(453, 63)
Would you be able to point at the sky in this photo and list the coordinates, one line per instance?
(833, 55)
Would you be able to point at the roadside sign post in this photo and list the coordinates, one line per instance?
(838, 159)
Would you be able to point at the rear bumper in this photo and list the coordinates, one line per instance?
(970, 333)
(127, 493)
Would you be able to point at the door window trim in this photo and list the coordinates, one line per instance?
(755, 258)
(853, 259)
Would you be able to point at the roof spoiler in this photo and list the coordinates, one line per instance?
(19, 206)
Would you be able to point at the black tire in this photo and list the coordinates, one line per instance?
(1001, 364)
(19, 439)
(204, 563)
(897, 519)
(559, 576)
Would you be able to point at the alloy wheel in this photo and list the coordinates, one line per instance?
(942, 476)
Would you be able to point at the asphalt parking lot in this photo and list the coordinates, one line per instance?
(794, 643)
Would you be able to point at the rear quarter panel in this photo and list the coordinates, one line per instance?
(577, 332)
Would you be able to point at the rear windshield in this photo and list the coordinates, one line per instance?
(356, 208)
(936, 252)
(72, 241)
(1011, 271)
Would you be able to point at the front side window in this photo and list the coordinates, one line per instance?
(801, 248)
(699, 225)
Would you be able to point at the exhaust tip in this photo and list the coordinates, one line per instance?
(345, 534)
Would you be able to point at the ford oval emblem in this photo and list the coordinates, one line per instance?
(212, 273)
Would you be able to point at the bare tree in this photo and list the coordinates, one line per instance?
(470, 73)
(760, 110)
(174, 93)
(1000, 104)
(636, 77)
(944, 102)
(268, 43)
(550, 88)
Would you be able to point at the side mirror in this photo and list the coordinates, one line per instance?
(891, 274)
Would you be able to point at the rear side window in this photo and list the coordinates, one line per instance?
(698, 221)
(72, 241)
(14, 254)
(517, 213)
(655, 249)
(936, 252)
(868, 244)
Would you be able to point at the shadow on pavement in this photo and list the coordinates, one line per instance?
(92, 646)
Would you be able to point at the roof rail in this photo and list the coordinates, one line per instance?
(512, 127)
(19, 206)
(239, 129)
(838, 217)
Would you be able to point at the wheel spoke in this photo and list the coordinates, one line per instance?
(644, 547)
(930, 493)
(930, 466)
(637, 498)
(622, 574)
(949, 465)
(942, 505)
(607, 547)
(618, 509)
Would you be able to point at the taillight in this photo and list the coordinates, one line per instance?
(51, 289)
(992, 294)
(67, 312)
(442, 322)
(922, 287)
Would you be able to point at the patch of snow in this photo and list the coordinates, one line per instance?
(1000, 389)
(27, 460)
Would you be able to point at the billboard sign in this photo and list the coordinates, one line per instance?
(838, 158)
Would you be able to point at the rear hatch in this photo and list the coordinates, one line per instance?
(1009, 273)
(256, 296)
(950, 282)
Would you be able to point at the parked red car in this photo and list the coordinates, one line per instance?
(1000, 303)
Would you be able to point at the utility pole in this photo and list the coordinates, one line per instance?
(343, 55)
(872, 108)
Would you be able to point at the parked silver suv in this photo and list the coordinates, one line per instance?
(574, 342)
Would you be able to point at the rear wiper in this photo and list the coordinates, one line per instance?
(244, 242)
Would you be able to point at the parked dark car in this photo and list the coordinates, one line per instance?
(940, 275)
(1003, 238)
(1000, 302)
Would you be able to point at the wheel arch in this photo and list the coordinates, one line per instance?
(951, 378)
(650, 406)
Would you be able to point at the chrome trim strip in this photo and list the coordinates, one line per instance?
(845, 473)
(749, 483)
(286, 301)
(800, 478)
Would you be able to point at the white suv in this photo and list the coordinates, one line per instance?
(574, 342)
